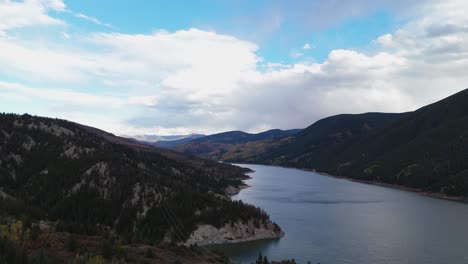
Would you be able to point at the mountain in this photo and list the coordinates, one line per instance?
(176, 142)
(426, 149)
(157, 138)
(234, 144)
(88, 181)
(326, 138)
(234, 137)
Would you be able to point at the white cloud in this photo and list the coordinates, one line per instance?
(65, 35)
(15, 14)
(57, 5)
(307, 46)
(180, 60)
(144, 100)
(295, 54)
(67, 97)
(26, 60)
(92, 19)
(188, 69)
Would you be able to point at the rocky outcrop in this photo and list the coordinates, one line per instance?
(234, 233)
(231, 190)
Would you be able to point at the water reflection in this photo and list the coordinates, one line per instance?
(245, 248)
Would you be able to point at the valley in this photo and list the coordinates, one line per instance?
(233, 132)
(424, 150)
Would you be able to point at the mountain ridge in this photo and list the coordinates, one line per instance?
(176, 142)
(223, 146)
(89, 180)
(156, 138)
(423, 149)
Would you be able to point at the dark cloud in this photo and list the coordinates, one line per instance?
(435, 31)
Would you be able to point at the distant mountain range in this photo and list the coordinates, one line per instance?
(221, 146)
(163, 140)
(426, 149)
(176, 142)
(234, 144)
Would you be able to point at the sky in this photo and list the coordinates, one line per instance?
(134, 67)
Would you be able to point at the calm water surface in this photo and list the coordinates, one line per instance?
(330, 220)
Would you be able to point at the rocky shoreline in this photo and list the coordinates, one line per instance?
(237, 232)
(234, 233)
(231, 190)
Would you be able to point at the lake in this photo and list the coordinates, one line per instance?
(330, 220)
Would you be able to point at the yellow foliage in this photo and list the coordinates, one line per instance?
(96, 260)
(3, 230)
(15, 232)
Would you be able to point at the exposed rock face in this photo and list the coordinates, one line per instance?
(231, 190)
(234, 233)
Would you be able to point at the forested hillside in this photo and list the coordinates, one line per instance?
(425, 149)
(86, 181)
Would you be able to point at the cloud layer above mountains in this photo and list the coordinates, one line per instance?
(197, 81)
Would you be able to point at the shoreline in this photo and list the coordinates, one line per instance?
(234, 233)
(442, 196)
(243, 185)
(234, 190)
(231, 191)
(227, 242)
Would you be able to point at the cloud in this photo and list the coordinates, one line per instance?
(411, 68)
(92, 19)
(15, 14)
(307, 46)
(319, 15)
(202, 81)
(295, 54)
(28, 13)
(57, 5)
(172, 73)
(72, 97)
(180, 60)
(26, 60)
(144, 100)
(65, 35)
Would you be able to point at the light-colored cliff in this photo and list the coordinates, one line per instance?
(234, 233)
